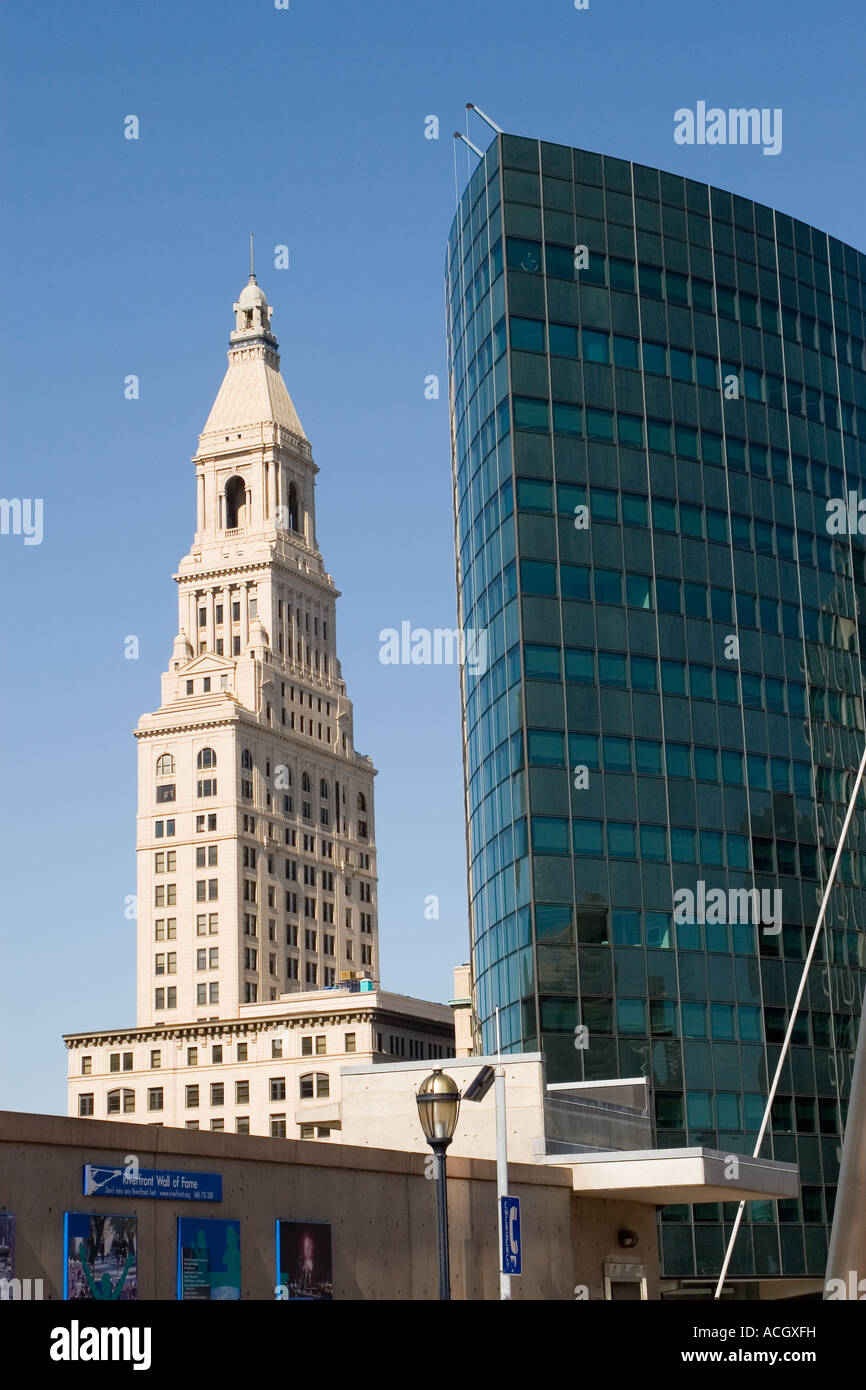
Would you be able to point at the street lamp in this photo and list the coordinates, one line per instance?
(438, 1106)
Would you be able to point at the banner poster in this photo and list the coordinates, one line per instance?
(7, 1245)
(208, 1258)
(100, 1257)
(304, 1260)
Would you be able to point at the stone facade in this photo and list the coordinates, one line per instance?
(274, 1070)
(257, 884)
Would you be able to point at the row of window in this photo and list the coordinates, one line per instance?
(166, 861)
(532, 414)
(165, 997)
(692, 520)
(622, 350)
(584, 583)
(656, 931)
(685, 845)
(311, 1045)
(742, 456)
(696, 1110)
(609, 189)
(206, 759)
(688, 1019)
(679, 845)
(691, 291)
(701, 369)
(167, 791)
(584, 666)
(277, 1123)
(121, 1101)
(652, 758)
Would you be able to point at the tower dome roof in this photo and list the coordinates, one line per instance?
(252, 293)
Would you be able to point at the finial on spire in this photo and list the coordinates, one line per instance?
(252, 271)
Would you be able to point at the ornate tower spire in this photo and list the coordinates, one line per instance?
(251, 749)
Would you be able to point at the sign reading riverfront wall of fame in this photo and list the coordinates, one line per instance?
(132, 1181)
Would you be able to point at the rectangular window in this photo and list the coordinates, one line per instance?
(655, 358)
(653, 842)
(586, 835)
(562, 340)
(649, 281)
(596, 346)
(648, 757)
(673, 677)
(532, 415)
(616, 753)
(620, 840)
(526, 334)
(706, 371)
(681, 365)
(621, 274)
(599, 423)
(568, 419)
(682, 846)
(607, 586)
(625, 352)
(659, 436)
(611, 669)
(630, 430)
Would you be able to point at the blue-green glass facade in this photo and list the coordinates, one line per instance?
(646, 435)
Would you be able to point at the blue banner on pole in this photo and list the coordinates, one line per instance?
(512, 1251)
(131, 1181)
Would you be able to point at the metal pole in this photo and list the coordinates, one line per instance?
(848, 1236)
(831, 878)
(439, 1148)
(470, 106)
(501, 1173)
(501, 1159)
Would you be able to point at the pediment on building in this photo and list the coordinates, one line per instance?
(206, 664)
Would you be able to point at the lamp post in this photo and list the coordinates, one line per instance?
(438, 1106)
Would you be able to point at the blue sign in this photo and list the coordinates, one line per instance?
(132, 1181)
(509, 1235)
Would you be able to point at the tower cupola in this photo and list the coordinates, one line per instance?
(252, 314)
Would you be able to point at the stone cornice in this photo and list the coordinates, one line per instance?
(323, 582)
(212, 446)
(165, 730)
(240, 1028)
(294, 740)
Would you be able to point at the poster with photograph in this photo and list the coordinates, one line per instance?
(304, 1260)
(208, 1258)
(7, 1245)
(100, 1257)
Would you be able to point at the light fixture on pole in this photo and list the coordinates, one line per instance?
(438, 1107)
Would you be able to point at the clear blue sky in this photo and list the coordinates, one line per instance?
(306, 127)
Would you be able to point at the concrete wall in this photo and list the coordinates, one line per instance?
(379, 1203)
(379, 1106)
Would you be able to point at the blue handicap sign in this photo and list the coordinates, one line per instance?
(512, 1253)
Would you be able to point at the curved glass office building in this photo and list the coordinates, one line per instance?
(657, 388)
